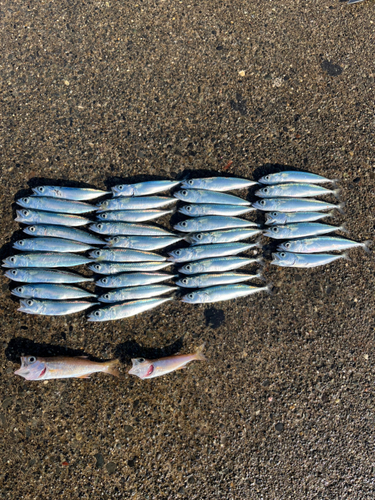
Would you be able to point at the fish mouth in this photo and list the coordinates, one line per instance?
(5, 264)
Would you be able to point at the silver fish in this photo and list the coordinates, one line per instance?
(132, 215)
(50, 291)
(220, 293)
(205, 280)
(199, 210)
(295, 205)
(69, 193)
(211, 223)
(54, 307)
(133, 279)
(303, 260)
(143, 188)
(351, 2)
(130, 203)
(136, 292)
(51, 245)
(128, 229)
(126, 309)
(203, 196)
(295, 190)
(55, 205)
(125, 255)
(208, 251)
(291, 176)
(218, 183)
(39, 217)
(292, 217)
(322, 244)
(300, 230)
(217, 265)
(30, 275)
(226, 236)
(123, 267)
(45, 259)
(141, 242)
(68, 233)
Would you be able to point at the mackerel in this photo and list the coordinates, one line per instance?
(203, 196)
(55, 205)
(220, 293)
(125, 255)
(126, 309)
(209, 251)
(51, 245)
(212, 223)
(45, 259)
(199, 210)
(68, 233)
(69, 193)
(39, 217)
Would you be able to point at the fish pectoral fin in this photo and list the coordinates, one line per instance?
(181, 367)
(85, 376)
(83, 357)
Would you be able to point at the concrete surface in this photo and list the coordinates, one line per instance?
(96, 92)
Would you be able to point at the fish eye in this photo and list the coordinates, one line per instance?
(287, 245)
(188, 268)
(32, 228)
(188, 208)
(32, 359)
(178, 252)
(29, 302)
(191, 296)
(99, 226)
(121, 186)
(103, 216)
(97, 253)
(40, 189)
(25, 200)
(274, 214)
(183, 224)
(116, 239)
(106, 296)
(184, 193)
(14, 272)
(262, 202)
(97, 313)
(267, 177)
(19, 289)
(97, 267)
(265, 190)
(21, 242)
(283, 254)
(199, 236)
(191, 182)
(105, 280)
(12, 259)
(141, 360)
(25, 212)
(275, 229)
(185, 281)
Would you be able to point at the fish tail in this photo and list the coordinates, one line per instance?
(345, 256)
(343, 228)
(340, 207)
(336, 193)
(199, 354)
(331, 214)
(112, 367)
(260, 261)
(268, 288)
(258, 242)
(260, 276)
(366, 246)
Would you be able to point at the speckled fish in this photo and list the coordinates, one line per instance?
(128, 229)
(304, 260)
(39, 217)
(211, 223)
(220, 293)
(295, 205)
(226, 236)
(125, 267)
(217, 265)
(273, 218)
(130, 203)
(205, 280)
(294, 176)
(125, 255)
(132, 215)
(126, 309)
(202, 196)
(54, 307)
(45, 259)
(218, 183)
(51, 245)
(44, 276)
(69, 193)
(300, 230)
(295, 190)
(143, 188)
(141, 242)
(151, 368)
(55, 205)
(136, 292)
(209, 251)
(68, 233)
(51, 292)
(133, 279)
(322, 244)
(37, 368)
(202, 209)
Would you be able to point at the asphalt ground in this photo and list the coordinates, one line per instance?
(94, 93)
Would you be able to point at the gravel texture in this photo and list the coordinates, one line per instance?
(98, 92)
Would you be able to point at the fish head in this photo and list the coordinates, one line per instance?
(186, 209)
(20, 244)
(19, 291)
(263, 192)
(105, 282)
(12, 261)
(189, 184)
(32, 368)
(286, 246)
(40, 190)
(96, 315)
(125, 242)
(97, 228)
(283, 259)
(103, 204)
(198, 238)
(188, 269)
(271, 232)
(96, 268)
(123, 190)
(29, 306)
(175, 255)
(185, 226)
(193, 298)
(32, 230)
(106, 297)
(103, 216)
(186, 195)
(23, 215)
(14, 274)
(186, 282)
(96, 254)
(260, 204)
(24, 202)
(142, 368)
(275, 218)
